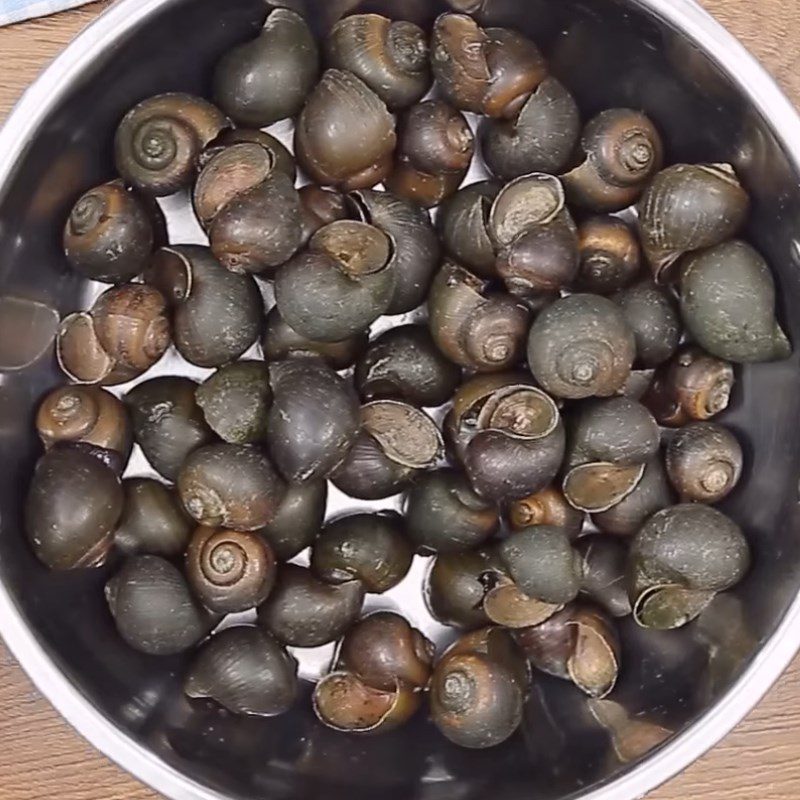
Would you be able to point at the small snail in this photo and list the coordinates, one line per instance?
(246, 671)
(681, 558)
(235, 401)
(371, 548)
(404, 364)
(341, 285)
(249, 208)
(345, 135)
(610, 255)
(313, 421)
(464, 227)
(390, 57)
(84, 414)
(230, 571)
(713, 285)
(153, 608)
(268, 79)
(318, 208)
(704, 462)
(416, 250)
(581, 346)
(73, 505)
(302, 611)
(546, 507)
(217, 314)
(159, 142)
(167, 422)
(434, 151)
(622, 151)
(396, 442)
(688, 207)
(230, 485)
(444, 514)
(692, 385)
(541, 138)
(474, 328)
(111, 233)
(604, 562)
(153, 521)
(298, 520)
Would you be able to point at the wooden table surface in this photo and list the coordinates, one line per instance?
(42, 757)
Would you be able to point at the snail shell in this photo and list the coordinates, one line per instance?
(508, 606)
(80, 355)
(298, 519)
(604, 562)
(610, 255)
(318, 208)
(282, 158)
(581, 346)
(390, 57)
(159, 142)
(546, 507)
(421, 188)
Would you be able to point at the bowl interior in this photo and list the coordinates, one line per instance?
(610, 54)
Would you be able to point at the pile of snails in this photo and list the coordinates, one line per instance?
(544, 415)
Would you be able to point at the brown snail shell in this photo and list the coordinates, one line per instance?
(282, 158)
(704, 462)
(604, 564)
(391, 57)
(298, 520)
(688, 207)
(610, 255)
(546, 507)
(159, 142)
(581, 346)
(623, 150)
(84, 414)
(111, 233)
(421, 188)
(318, 208)
(507, 605)
(80, 355)
(345, 135)
(230, 571)
(472, 327)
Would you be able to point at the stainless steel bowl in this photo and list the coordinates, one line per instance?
(688, 688)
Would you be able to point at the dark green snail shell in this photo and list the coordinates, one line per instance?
(298, 520)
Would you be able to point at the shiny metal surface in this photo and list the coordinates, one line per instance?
(713, 103)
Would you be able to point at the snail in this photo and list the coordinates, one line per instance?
(159, 141)
(464, 227)
(282, 158)
(540, 138)
(153, 521)
(298, 520)
(235, 401)
(435, 147)
(728, 304)
(303, 611)
(80, 355)
(84, 414)
(230, 571)
(415, 247)
(230, 485)
(167, 422)
(73, 505)
(268, 79)
(249, 208)
(688, 207)
(444, 515)
(371, 548)
(610, 255)
(340, 285)
(280, 341)
(546, 507)
(404, 364)
(535, 236)
(246, 671)
(680, 559)
(490, 72)
(391, 57)
(604, 562)
(396, 442)
(704, 462)
(578, 644)
(505, 604)
(111, 233)
(318, 208)
(313, 421)
(345, 135)
(652, 315)
(622, 150)
(692, 385)
(475, 328)
(153, 608)
(581, 346)
(384, 651)
(217, 314)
